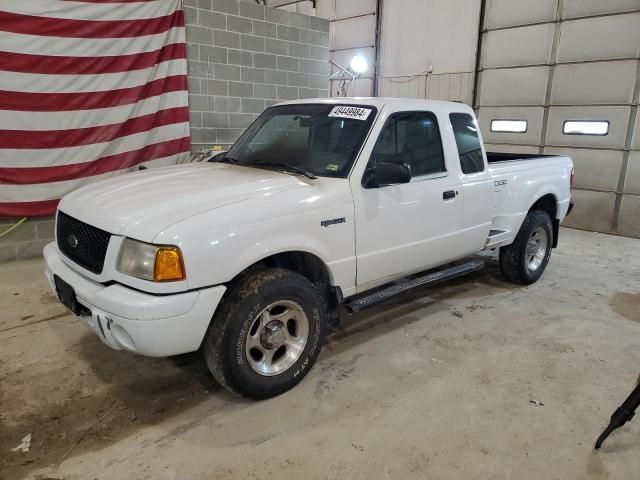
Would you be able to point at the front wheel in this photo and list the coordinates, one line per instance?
(525, 260)
(266, 334)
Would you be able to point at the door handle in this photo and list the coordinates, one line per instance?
(449, 194)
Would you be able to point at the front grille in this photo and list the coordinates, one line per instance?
(82, 243)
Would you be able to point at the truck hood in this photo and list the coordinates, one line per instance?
(142, 204)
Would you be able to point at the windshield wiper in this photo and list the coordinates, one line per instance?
(282, 165)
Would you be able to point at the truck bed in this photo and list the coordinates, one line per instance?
(518, 178)
(495, 157)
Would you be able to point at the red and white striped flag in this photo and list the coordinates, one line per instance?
(88, 89)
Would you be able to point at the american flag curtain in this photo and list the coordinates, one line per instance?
(88, 89)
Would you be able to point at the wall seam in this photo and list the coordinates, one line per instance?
(552, 70)
(477, 77)
(572, 19)
(377, 67)
(627, 150)
(572, 62)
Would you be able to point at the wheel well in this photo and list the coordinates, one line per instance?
(548, 203)
(303, 263)
(306, 264)
(311, 267)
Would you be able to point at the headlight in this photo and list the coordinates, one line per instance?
(150, 262)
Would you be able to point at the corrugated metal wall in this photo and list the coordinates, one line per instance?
(548, 61)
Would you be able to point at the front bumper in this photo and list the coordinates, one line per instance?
(126, 319)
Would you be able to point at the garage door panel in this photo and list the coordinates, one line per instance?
(592, 210)
(603, 38)
(583, 8)
(597, 169)
(452, 87)
(354, 7)
(413, 87)
(354, 32)
(629, 221)
(635, 141)
(514, 86)
(533, 116)
(518, 46)
(594, 83)
(632, 178)
(507, 13)
(618, 118)
(332, 9)
(527, 149)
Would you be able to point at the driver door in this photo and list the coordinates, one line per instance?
(407, 228)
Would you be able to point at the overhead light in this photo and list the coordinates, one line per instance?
(359, 64)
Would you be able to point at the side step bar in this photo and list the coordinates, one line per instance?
(367, 300)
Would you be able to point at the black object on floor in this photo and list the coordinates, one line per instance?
(622, 415)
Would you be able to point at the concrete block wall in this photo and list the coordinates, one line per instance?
(26, 240)
(244, 57)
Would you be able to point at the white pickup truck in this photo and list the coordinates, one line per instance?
(320, 205)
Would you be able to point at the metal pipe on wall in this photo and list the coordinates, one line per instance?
(376, 49)
(476, 81)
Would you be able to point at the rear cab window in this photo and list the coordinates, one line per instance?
(465, 131)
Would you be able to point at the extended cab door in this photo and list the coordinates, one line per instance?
(477, 182)
(408, 227)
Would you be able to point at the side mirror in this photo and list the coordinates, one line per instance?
(388, 172)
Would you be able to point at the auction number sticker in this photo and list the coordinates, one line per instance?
(355, 113)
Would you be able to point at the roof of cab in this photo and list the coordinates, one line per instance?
(373, 101)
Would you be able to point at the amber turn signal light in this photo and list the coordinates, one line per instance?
(168, 265)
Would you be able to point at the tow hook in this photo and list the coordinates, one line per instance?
(108, 321)
(100, 326)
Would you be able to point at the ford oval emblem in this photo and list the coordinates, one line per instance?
(72, 240)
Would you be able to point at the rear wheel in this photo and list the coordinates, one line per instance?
(525, 260)
(266, 334)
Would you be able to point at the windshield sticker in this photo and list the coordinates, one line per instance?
(355, 113)
(332, 167)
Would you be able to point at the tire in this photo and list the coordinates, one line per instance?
(521, 262)
(254, 346)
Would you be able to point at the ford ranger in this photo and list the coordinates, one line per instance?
(321, 205)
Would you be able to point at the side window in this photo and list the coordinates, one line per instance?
(465, 131)
(414, 138)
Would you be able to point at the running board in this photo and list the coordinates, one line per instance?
(367, 300)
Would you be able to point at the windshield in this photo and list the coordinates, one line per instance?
(321, 139)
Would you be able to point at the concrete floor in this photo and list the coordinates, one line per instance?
(436, 385)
